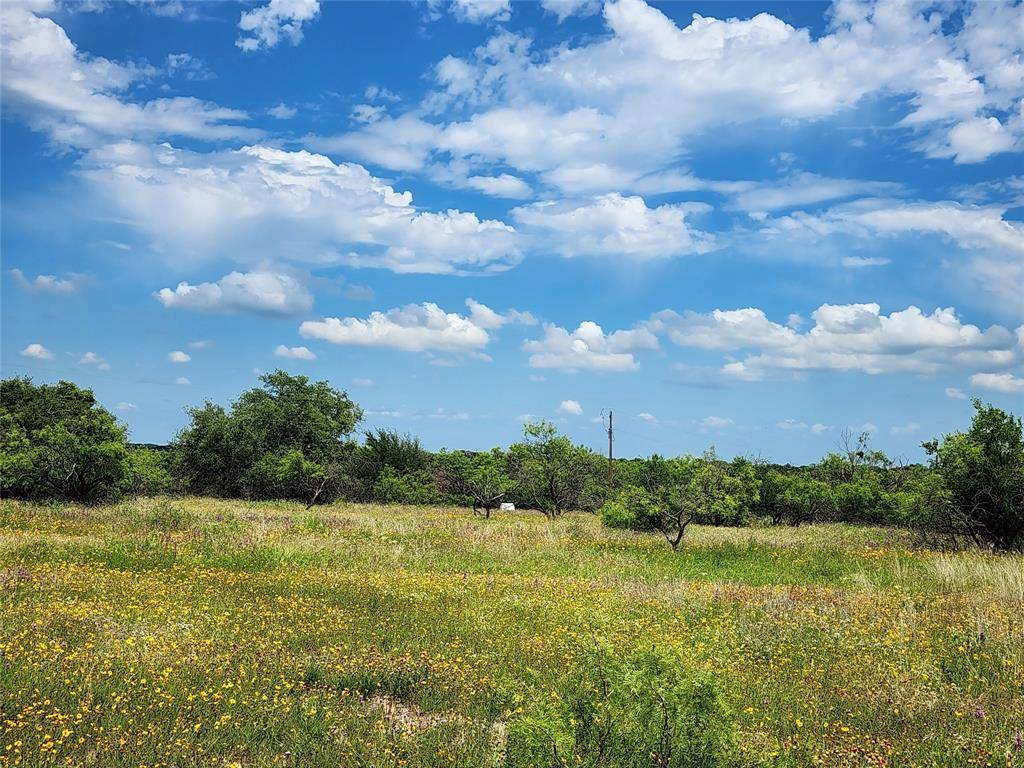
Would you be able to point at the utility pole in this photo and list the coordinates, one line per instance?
(611, 437)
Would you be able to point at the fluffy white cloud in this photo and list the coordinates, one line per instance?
(295, 353)
(183, 381)
(588, 348)
(602, 113)
(791, 425)
(36, 352)
(260, 203)
(282, 112)
(803, 189)
(571, 408)
(91, 358)
(479, 11)
(849, 337)
(268, 25)
(503, 185)
(485, 317)
(648, 417)
(563, 9)
(127, 406)
(613, 225)
(1006, 383)
(412, 328)
(77, 99)
(955, 393)
(177, 356)
(46, 283)
(266, 293)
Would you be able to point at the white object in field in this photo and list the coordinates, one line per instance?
(507, 506)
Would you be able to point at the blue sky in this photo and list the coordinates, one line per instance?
(751, 225)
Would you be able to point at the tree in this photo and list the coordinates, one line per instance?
(806, 499)
(57, 442)
(983, 471)
(272, 443)
(479, 477)
(549, 470)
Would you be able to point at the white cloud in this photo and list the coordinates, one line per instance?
(648, 417)
(362, 382)
(856, 262)
(820, 429)
(955, 393)
(127, 407)
(479, 11)
(259, 204)
(563, 9)
(282, 111)
(615, 226)
(599, 113)
(183, 381)
(867, 426)
(46, 283)
(91, 358)
(200, 344)
(296, 353)
(412, 328)
(36, 352)
(570, 407)
(485, 317)
(588, 348)
(791, 425)
(265, 293)
(179, 357)
(1006, 383)
(268, 25)
(905, 429)
(504, 185)
(803, 188)
(77, 99)
(716, 422)
(849, 337)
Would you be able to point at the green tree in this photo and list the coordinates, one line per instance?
(807, 500)
(273, 442)
(481, 478)
(551, 472)
(57, 442)
(983, 471)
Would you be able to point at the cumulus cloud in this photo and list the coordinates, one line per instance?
(588, 348)
(36, 352)
(295, 353)
(277, 21)
(46, 283)
(261, 203)
(91, 358)
(601, 113)
(282, 112)
(78, 100)
(848, 337)
(571, 408)
(179, 357)
(616, 226)
(265, 293)
(412, 328)
(183, 381)
(485, 317)
(955, 393)
(1006, 383)
(480, 11)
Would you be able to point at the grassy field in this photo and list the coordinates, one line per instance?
(224, 633)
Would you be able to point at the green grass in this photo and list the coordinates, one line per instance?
(209, 632)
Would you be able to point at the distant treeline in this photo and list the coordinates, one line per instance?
(295, 439)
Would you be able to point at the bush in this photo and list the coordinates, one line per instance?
(150, 473)
(286, 475)
(632, 508)
(632, 713)
(392, 487)
(983, 472)
(56, 442)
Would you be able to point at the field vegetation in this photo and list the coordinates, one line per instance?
(269, 590)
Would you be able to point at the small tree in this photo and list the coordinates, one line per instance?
(806, 500)
(983, 470)
(550, 471)
(479, 477)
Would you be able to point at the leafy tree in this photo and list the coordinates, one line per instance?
(633, 508)
(549, 470)
(394, 487)
(479, 477)
(150, 472)
(983, 471)
(57, 442)
(272, 443)
(807, 500)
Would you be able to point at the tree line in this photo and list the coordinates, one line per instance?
(294, 439)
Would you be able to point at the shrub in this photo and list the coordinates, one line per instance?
(983, 471)
(392, 487)
(632, 508)
(636, 712)
(150, 473)
(286, 475)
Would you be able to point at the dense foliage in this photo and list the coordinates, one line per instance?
(292, 439)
